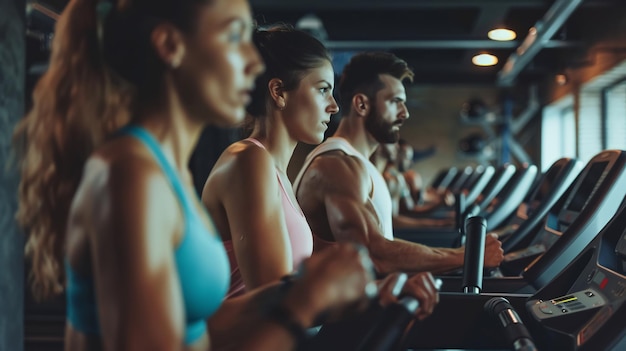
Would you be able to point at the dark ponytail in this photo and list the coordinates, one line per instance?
(288, 55)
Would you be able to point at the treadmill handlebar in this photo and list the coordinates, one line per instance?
(514, 328)
(391, 325)
(476, 232)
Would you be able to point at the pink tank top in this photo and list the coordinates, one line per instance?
(320, 244)
(300, 236)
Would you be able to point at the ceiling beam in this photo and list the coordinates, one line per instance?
(536, 40)
(314, 5)
(387, 4)
(437, 44)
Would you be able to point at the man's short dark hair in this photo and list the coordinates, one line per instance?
(362, 75)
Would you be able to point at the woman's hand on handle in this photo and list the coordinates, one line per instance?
(331, 282)
(421, 286)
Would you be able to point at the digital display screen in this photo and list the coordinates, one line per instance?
(564, 299)
(547, 238)
(552, 222)
(586, 187)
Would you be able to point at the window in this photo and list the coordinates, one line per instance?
(558, 132)
(589, 124)
(590, 120)
(614, 105)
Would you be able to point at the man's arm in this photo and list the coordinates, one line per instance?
(342, 185)
(403, 221)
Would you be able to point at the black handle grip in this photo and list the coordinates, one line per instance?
(514, 328)
(391, 326)
(476, 232)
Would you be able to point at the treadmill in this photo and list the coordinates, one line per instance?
(586, 206)
(475, 187)
(443, 179)
(547, 190)
(582, 309)
(450, 236)
(510, 197)
(462, 178)
(503, 176)
(583, 210)
(471, 188)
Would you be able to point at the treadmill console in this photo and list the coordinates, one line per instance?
(540, 193)
(514, 262)
(580, 314)
(596, 295)
(569, 304)
(559, 219)
(580, 195)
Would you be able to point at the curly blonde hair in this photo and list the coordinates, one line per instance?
(102, 65)
(77, 104)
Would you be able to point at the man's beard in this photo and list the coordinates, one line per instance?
(382, 131)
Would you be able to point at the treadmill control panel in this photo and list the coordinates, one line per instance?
(568, 304)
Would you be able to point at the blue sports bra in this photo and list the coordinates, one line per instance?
(201, 261)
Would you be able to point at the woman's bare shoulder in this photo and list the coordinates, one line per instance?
(240, 161)
(122, 179)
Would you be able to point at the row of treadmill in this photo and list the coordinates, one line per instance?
(562, 284)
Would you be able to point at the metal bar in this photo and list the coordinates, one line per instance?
(544, 30)
(527, 115)
(43, 9)
(437, 44)
(388, 4)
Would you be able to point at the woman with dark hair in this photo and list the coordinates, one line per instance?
(264, 230)
(107, 199)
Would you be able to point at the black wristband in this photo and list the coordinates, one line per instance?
(282, 316)
(287, 282)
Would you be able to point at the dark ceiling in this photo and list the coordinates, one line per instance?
(439, 37)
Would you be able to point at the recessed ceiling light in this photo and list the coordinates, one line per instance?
(501, 34)
(484, 60)
(561, 79)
